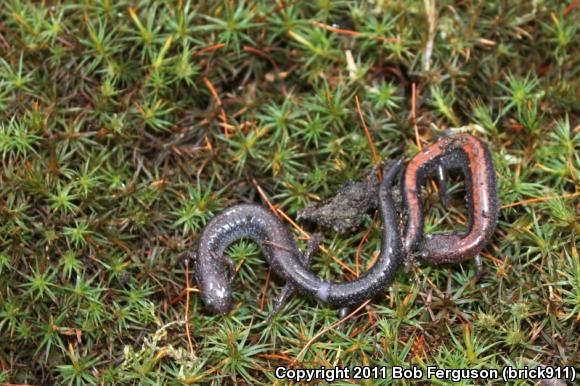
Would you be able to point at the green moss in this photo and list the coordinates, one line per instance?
(125, 126)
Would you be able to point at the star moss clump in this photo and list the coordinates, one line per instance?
(126, 125)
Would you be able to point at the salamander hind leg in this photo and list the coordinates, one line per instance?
(289, 289)
(287, 292)
(229, 263)
(312, 247)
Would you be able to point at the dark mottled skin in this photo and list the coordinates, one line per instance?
(280, 249)
(346, 211)
(471, 156)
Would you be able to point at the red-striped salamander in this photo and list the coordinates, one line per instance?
(459, 151)
(278, 246)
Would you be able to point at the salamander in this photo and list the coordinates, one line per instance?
(471, 156)
(282, 253)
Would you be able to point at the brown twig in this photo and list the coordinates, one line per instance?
(414, 114)
(265, 198)
(540, 199)
(571, 6)
(262, 54)
(264, 291)
(187, 291)
(325, 330)
(348, 32)
(281, 213)
(368, 134)
(322, 248)
(360, 246)
(219, 103)
(209, 49)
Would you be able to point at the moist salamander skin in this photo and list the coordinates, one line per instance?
(282, 253)
(471, 156)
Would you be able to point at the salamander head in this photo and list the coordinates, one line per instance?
(217, 300)
(215, 290)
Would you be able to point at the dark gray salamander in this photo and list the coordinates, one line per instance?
(282, 253)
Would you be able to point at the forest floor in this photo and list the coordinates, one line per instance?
(126, 125)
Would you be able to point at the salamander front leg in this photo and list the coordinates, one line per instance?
(229, 263)
(312, 247)
(289, 289)
(441, 178)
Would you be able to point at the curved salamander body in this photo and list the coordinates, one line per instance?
(283, 255)
(469, 154)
